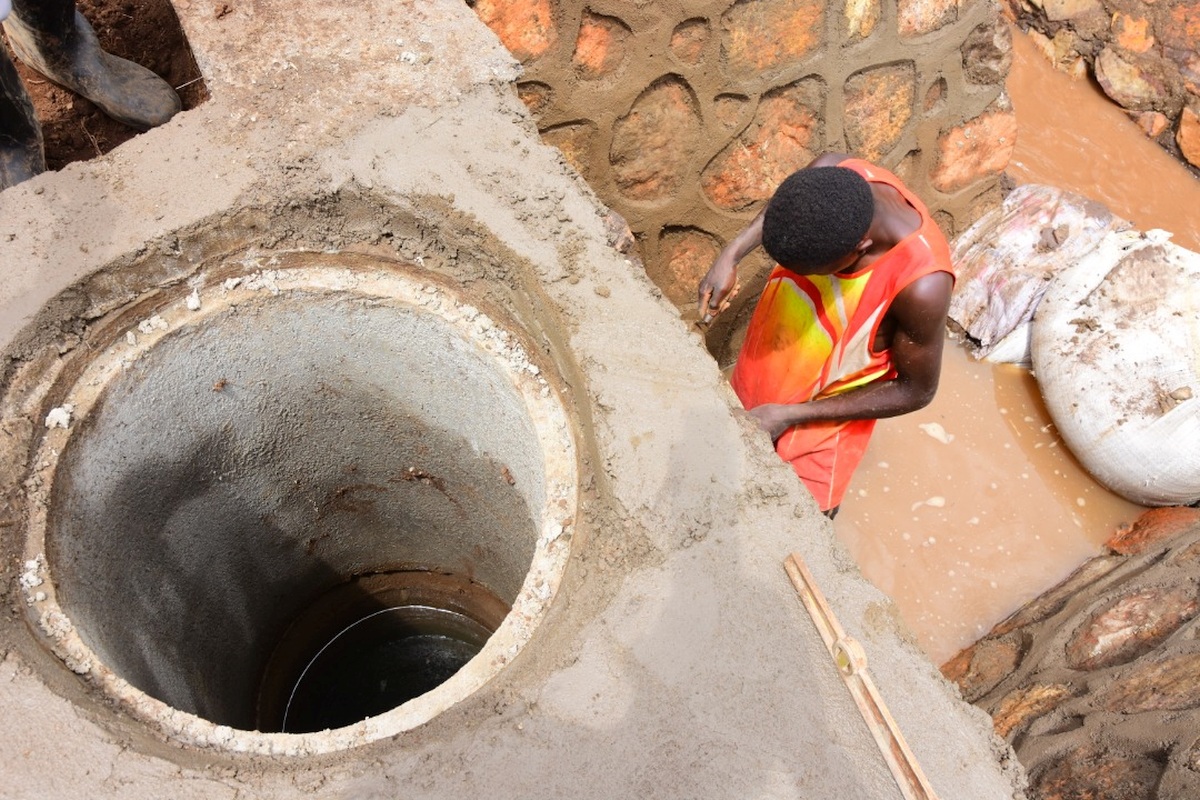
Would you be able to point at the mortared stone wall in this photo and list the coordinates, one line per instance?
(684, 116)
(1096, 683)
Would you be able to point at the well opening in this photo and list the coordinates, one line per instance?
(242, 485)
(373, 643)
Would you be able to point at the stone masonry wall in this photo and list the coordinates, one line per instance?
(684, 116)
(1145, 54)
(1096, 684)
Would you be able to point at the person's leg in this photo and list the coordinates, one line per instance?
(21, 153)
(52, 37)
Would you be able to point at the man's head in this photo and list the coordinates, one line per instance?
(818, 218)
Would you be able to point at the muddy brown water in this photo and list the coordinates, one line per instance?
(968, 508)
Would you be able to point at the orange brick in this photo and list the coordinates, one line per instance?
(1168, 684)
(525, 27)
(536, 96)
(981, 667)
(1091, 773)
(1022, 706)
(1130, 626)
(1152, 122)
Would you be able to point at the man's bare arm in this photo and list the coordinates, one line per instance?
(722, 275)
(920, 315)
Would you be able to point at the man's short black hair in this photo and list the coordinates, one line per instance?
(817, 216)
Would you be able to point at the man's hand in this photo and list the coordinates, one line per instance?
(775, 418)
(719, 286)
(717, 290)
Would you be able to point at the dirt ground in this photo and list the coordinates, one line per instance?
(144, 31)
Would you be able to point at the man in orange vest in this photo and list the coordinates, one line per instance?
(851, 323)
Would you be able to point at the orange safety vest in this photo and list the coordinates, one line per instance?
(811, 337)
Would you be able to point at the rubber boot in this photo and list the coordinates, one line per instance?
(21, 153)
(52, 37)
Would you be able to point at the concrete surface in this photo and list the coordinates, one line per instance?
(676, 660)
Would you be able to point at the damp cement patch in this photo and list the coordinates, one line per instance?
(235, 449)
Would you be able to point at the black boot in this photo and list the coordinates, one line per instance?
(21, 152)
(52, 37)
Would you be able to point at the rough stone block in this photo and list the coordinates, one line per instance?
(1052, 601)
(779, 141)
(1188, 556)
(861, 18)
(689, 39)
(879, 106)
(766, 34)
(1020, 707)
(917, 17)
(1060, 10)
(1062, 51)
(1154, 527)
(935, 96)
(575, 140)
(1091, 773)
(987, 54)
(975, 150)
(1188, 62)
(1172, 683)
(1139, 82)
(1181, 27)
(1152, 122)
(688, 253)
(729, 109)
(1131, 626)
(653, 144)
(601, 46)
(525, 27)
(535, 95)
(1132, 33)
(980, 668)
(1188, 136)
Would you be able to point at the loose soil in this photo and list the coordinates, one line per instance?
(144, 31)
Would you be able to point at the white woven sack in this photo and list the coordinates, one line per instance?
(1116, 352)
(1008, 257)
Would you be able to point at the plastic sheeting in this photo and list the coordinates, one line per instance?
(1007, 258)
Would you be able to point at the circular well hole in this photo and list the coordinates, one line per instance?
(319, 456)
